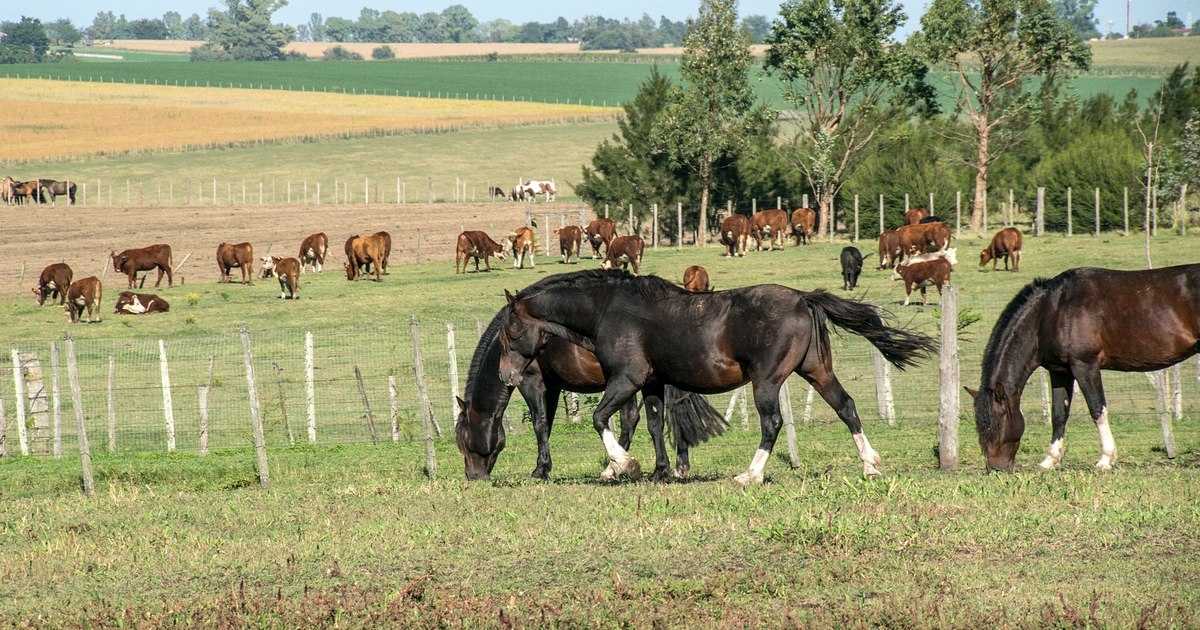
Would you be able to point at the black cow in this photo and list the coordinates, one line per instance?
(852, 263)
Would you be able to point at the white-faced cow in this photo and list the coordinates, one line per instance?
(312, 252)
(473, 244)
(84, 294)
(625, 251)
(131, 261)
(521, 243)
(130, 303)
(770, 226)
(288, 272)
(53, 283)
(240, 256)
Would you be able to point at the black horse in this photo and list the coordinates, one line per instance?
(1074, 325)
(562, 365)
(648, 333)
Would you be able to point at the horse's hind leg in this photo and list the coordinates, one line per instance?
(653, 399)
(766, 401)
(629, 422)
(537, 396)
(1093, 392)
(826, 383)
(1063, 386)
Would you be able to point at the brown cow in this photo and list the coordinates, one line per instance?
(921, 274)
(914, 216)
(364, 255)
(53, 283)
(804, 221)
(288, 272)
(923, 238)
(695, 279)
(625, 251)
(312, 251)
(600, 232)
(521, 242)
(768, 225)
(1005, 244)
(240, 256)
(735, 234)
(130, 303)
(131, 261)
(570, 238)
(889, 249)
(84, 294)
(385, 248)
(475, 244)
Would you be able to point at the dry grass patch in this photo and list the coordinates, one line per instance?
(54, 119)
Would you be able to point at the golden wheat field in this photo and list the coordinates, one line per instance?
(54, 119)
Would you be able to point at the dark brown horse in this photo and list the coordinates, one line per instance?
(1074, 325)
(561, 366)
(648, 333)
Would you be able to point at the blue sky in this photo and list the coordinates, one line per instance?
(81, 11)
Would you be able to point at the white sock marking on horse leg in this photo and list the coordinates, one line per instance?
(754, 474)
(1108, 447)
(870, 458)
(1054, 455)
(619, 461)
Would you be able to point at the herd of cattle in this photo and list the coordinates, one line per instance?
(35, 191)
(918, 252)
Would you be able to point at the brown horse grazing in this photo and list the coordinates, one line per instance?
(695, 279)
(53, 283)
(561, 366)
(1005, 244)
(1074, 325)
(648, 333)
(50, 189)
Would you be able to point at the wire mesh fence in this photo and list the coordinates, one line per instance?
(191, 393)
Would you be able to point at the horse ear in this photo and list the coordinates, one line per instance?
(509, 297)
(462, 404)
(973, 392)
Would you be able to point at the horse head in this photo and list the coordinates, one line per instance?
(523, 337)
(480, 440)
(1000, 423)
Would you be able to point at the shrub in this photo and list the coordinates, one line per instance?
(16, 54)
(1107, 160)
(292, 55)
(209, 52)
(338, 53)
(383, 52)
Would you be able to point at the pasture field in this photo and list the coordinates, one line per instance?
(554, 81)
(101, 53)
(352, 535)
(54, 119)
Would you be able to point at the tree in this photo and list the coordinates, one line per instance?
(430, 28)
(1080, 14)
(148, 29)
(316, 27)
(63, 32)
(174, 23)
(847, 80)
(244, 30)
(103, 25)
(29, 35)
(458, 23)
(994, 46)
(195, 28)
(499, 30)
(338, 29)
(757, 27)
(712, 113)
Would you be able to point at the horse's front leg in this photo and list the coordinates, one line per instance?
(536, 396)
(629, 422)
(1063, 386)
(1093, 392)
(619, 391)
(826, 384)
(766, 401)
(653, 398)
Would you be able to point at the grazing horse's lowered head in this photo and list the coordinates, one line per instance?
(480, 440)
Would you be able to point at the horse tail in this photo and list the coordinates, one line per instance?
(902, 348)
(691, 418)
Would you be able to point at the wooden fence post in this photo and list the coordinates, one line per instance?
(1159, 380)
(112, 405)
(1183, 209)
(881, 228)
(1176, 393)
(414, 330)
(906, 206)
(452, 351)
(654, 227)
(168, 407)
(985, 211)
(808, 404)
(804, 200)
(260, 442)
(789, 425)
(55, 402)
(3, 431)
(743, 406)
(573, 407)
(85, 449)
(202, 404)
(678, 225)
(310, 387)
(393, 408)
(1097, 210)
(19, 388)
(1045, 391)
(427, 423)
(957, 213)
(1126, 211)
(1008, 216)
(1039, 222)
(287, 426)
(370, 417)
(1069, 220)
(948, 372)
(883, 388)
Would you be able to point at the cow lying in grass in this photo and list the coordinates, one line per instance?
(130, 303)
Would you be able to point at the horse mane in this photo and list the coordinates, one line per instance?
(481, 349)
(650, 287)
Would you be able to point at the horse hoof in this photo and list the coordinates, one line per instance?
(540, 473)
(661, 475)
(680, 472)
(871, 470)
(747, 479)
(1105, 464)
(1048, 463)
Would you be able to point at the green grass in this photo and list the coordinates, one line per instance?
(480, 156)
(588, 83)
(352, 535)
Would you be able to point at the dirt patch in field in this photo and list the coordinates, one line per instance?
(36, 236)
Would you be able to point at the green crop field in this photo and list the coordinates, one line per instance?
(588, 83)
(102, 55)
(353, 535)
